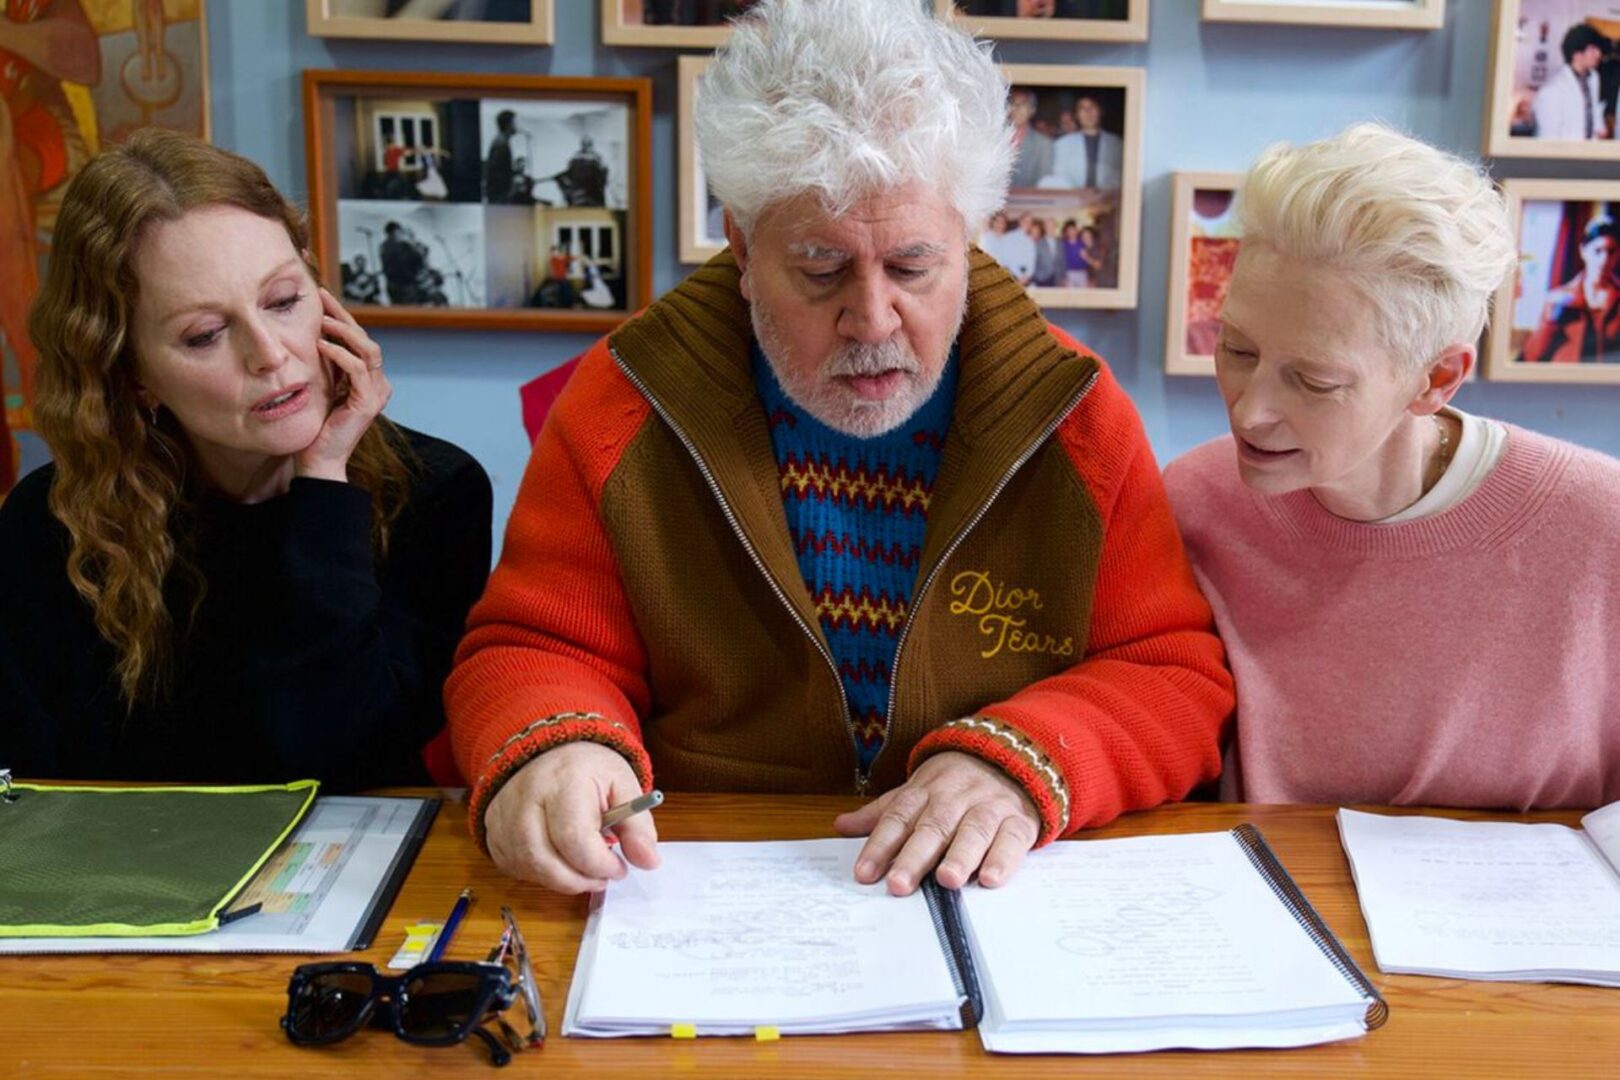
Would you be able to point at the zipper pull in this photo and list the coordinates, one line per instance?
(863, 782)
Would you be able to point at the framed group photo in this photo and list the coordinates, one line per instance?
(1554, 79)
(1372, 14)
(1051, 20)
(482, 201)
(510, 22)
(1072, 222)
(1558, 318)
(1203, 251)
(680, 24)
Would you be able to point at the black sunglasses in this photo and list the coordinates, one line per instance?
(437, 1004)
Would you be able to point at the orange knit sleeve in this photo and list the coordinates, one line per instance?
(552, 654)
(1137, 721)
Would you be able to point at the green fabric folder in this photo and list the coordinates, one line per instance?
(135, 861)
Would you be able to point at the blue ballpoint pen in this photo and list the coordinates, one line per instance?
(463, 902)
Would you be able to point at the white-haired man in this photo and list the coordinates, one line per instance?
(840, 513)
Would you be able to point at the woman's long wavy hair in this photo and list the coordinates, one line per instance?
(127, 484)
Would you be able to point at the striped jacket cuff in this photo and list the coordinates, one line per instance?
(1015, 754)
(545, 734)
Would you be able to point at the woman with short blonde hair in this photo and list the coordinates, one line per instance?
(1420, 606)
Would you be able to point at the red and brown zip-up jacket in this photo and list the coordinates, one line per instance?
(648, 596)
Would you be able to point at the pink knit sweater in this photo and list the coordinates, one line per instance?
(1471, 658)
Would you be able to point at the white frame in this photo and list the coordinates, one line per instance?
(1497, 142)
(1184, 185)
(1415, 15)
(539, 30)
(1499, 364)
(692, 189)
(1134, 27)
(1133, 80)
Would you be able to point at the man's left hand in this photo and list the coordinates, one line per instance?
(958, 813)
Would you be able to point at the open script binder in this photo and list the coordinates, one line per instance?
(1518, 901)
(1096, 946)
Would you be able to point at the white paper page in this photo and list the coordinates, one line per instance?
(749, 934)
(316, 889)
(1482, 896)
(1092, 931)
(1602, 828)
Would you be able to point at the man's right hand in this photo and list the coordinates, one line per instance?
(545, 824)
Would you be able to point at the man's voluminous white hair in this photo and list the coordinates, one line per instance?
(1421, 233)
(847, 98)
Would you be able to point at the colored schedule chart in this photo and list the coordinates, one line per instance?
(322, 891)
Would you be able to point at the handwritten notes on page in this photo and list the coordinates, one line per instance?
(729, 937)
(1151, 942)
(1488, 899)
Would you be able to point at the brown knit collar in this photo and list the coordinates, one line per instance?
(690, 349)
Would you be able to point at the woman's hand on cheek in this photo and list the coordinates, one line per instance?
(354, 359)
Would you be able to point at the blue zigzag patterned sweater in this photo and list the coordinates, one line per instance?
(857, 510)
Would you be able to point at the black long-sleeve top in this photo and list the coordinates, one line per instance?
(308, 657)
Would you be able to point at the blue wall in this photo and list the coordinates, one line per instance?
(1217, 94)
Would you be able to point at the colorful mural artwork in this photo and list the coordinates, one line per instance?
(75, 76)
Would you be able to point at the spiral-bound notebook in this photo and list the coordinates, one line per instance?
(1096, 946)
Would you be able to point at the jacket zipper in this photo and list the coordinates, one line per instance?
(748, 546)
(863, 780)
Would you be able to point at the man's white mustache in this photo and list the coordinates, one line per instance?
(863, 359)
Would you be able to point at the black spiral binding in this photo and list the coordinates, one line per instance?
(945, 909)
(1282, 884)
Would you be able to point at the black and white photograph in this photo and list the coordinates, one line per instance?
(555, 153)
(412, 254)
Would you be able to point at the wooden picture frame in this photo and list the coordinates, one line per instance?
(620, 26)
(327, 18)
(700, 240)
(1048, 189)
(1184, 351)
(1521, 73)
(1379, 14)
(1527, 313)
(481, 201)
(1133, 27)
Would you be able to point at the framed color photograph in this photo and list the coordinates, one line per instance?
(1555, 73)
(1384, 14)
(481, 201)
(702, 222)
(1558, 318)
(75, 78)
(508, 22)
(681, 24)
(1071, 227)
(1052, 20)
(1203, 251)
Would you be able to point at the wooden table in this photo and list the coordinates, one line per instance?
(216, 1016)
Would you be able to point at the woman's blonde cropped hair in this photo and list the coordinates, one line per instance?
(845, 98)
(1421, 233)
(126, 485)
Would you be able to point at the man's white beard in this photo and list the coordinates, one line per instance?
(833, 403)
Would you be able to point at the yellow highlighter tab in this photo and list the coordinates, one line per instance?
(683, 1031)
(766, 1034)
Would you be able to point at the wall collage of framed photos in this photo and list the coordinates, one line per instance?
(525, 201)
